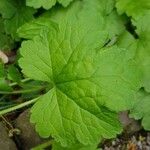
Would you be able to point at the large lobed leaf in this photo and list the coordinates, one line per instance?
(87, 76)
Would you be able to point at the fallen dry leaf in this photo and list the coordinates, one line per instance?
(131, 146)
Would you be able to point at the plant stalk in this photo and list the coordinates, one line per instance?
(8, 110)
(23, 91)
(43, 146)
(22, 81)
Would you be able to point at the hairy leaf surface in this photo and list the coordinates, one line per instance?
(87, 76)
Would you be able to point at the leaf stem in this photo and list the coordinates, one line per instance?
(22, 81)
(5, 111)
(23, 91)
(2, 97)
(43, 146)
(7, 122)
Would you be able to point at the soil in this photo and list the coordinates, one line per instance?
(6, 143)
(28, 136)
(138, 141)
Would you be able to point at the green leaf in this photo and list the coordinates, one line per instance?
(108, 18)
(141, 109)
(139, 48)
(6, 42)
(3, 84)
(47, 4)
(37, 27)
(143, 47)
(70, 121)
(13, 74)
(133, 8)
(140, 13)
(141, 51)
(87, 77)
(15, 14)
